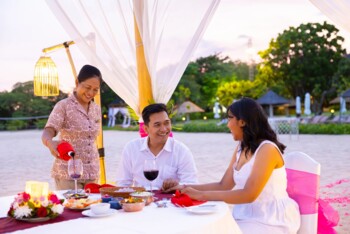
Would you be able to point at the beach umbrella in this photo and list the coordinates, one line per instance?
(298, 106)
(307, 104)
(272, 99)
(342, 104)
(188, 107)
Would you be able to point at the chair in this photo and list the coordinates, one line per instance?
(303, 176)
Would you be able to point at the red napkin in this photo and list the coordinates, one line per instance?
(181, 199)
(65, 150)
(95, 188)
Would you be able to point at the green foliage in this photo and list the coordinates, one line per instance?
(304, 59)
(202, 78)
(15, 125)
(324, 128)
(229, 91)
(40, 123)
(21, 102)
(200, 126)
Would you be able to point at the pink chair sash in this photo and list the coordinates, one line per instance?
(303, 188)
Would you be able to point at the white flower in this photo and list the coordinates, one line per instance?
(45, 203)
(15, 205)
(22, 211)
(57, 208)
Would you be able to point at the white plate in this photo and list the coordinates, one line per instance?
(34, 220)
(78, 209)
(202, 209)
(90, 214)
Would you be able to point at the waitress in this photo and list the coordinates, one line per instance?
(77, 120)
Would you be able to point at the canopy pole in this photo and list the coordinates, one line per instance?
(144, 79)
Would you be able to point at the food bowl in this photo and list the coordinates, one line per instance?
(147, 196)
(133, 204)
(100, 208)
(120, 191)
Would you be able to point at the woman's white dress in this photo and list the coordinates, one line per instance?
(273, 211)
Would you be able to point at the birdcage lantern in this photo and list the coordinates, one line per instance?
(46, 78)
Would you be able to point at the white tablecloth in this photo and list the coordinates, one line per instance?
(150, 220)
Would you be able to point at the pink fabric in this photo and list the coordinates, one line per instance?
(303, 188)
(141, 130)
(327, 218)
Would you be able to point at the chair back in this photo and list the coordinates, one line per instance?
(303, 176)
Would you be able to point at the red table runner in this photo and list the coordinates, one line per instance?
(10, 224)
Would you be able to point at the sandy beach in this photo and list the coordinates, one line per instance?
(23, 158)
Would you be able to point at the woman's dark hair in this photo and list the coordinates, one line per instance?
(257, 127)
(87, 72)
(151, 109)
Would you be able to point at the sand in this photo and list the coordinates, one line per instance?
(23, 158)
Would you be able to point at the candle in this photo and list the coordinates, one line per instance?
(37, 189)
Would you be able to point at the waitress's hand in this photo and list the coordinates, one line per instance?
(52, 146)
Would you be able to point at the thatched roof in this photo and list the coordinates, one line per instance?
(188, 107)
(346, 93)
(272, 98)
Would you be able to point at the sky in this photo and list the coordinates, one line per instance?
(26, 27)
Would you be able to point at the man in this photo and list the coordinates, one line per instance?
(174, 160)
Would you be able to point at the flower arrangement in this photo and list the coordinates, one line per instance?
(25, 207)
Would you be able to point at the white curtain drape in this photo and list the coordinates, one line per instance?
(336, 10)
(104, 32)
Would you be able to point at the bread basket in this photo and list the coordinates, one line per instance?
(113, 191)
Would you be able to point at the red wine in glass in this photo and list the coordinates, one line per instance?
(151, 175)
(150, 170)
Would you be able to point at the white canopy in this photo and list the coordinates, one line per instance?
(336, 10)
(104, 32)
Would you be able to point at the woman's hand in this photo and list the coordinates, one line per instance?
(169, 185)
(192, 193)
(52, 146)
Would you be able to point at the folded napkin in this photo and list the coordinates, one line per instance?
(95, 188)
(181, 199)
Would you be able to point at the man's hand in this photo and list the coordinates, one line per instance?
(169, 185)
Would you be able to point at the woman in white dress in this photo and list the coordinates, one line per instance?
(255, 180)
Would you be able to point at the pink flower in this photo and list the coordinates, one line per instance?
(54, 199)
(26, 196)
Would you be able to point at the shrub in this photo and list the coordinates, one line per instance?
(328, 128)
(40, 123)
(15, 125)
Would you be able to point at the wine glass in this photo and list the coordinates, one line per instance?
(75, 171)
(150, 170)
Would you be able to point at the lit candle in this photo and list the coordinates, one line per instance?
(37, 189)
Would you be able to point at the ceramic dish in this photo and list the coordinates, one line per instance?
(80, 204)
(93, 215)
(202, 209)
(34, 220)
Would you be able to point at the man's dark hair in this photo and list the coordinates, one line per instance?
(151, 109)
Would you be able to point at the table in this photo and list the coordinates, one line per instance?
(150, 220)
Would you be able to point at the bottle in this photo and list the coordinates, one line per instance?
(65, 150)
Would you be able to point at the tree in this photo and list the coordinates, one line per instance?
(304, 59)
(21, 102)
(229, 91)
(202, 78)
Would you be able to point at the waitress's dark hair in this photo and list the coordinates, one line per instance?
(87, 72)
(257, 127)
